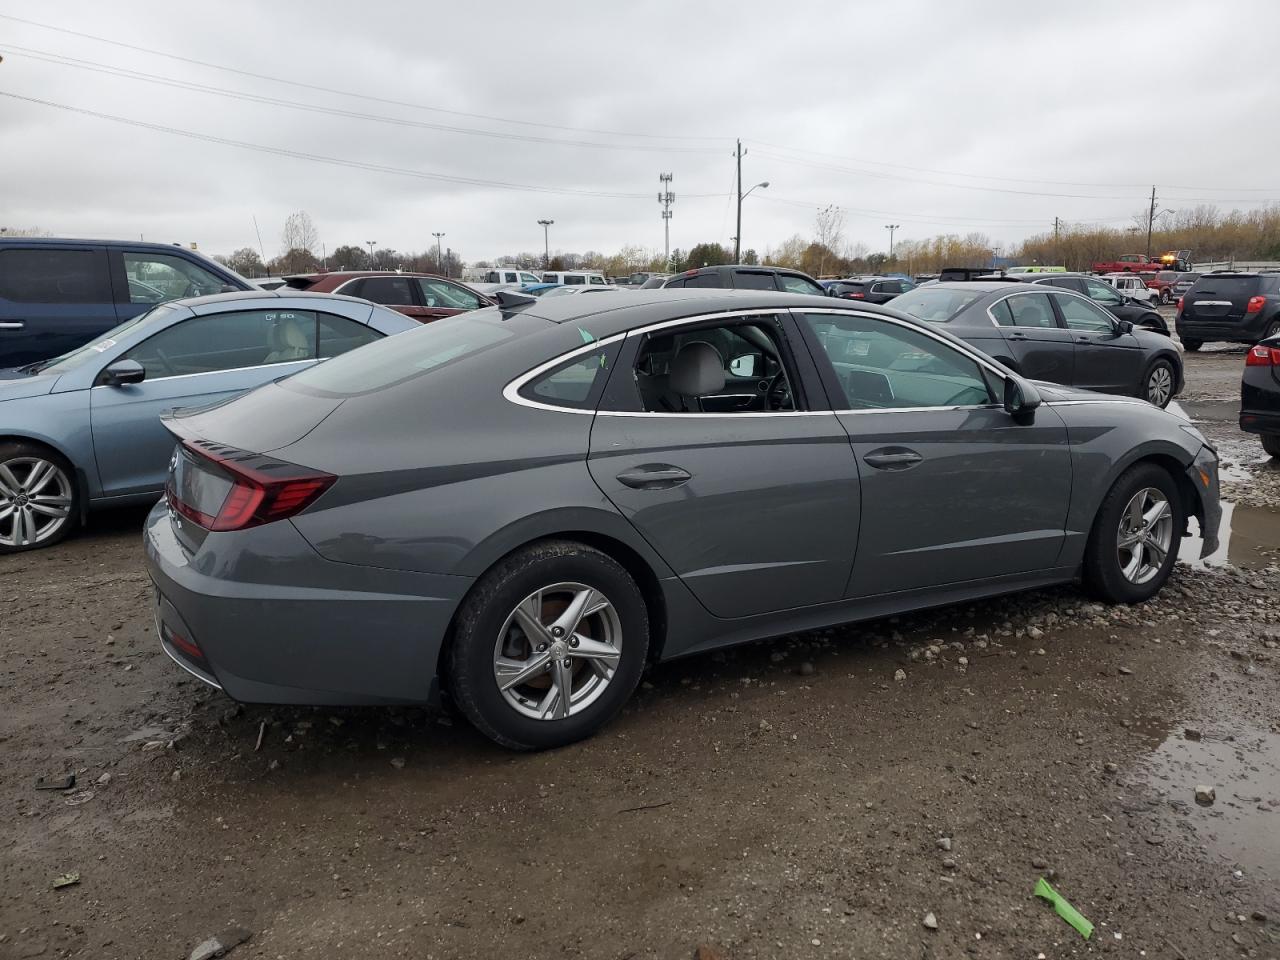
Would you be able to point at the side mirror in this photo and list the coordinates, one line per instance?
(1020, 399)
(1123, 327)
(122, 372)
(743, 366)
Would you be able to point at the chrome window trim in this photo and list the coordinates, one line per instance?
(207, 373)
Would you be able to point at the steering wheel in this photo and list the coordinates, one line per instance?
(778, 392)
(165, 362)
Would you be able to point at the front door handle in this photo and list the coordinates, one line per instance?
(1017, 336)
(654, 476)
(892, 458)
(12, 324)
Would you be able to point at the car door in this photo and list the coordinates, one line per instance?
(1041, 348)
(755, 511)
(53, 298)
(953, 489)
(195, 361)
(1105, 358)
(440, 298)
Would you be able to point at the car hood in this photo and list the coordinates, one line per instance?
(15, 385)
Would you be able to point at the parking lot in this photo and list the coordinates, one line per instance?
(817, 795)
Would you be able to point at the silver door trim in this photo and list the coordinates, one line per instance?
(206, 373)
(12, 325)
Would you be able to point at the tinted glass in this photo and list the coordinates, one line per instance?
(572, 281)
(337, 335)
(1066, 283)
(575, 384)
(705, 280)
(1099, 291)
(671, 283)
(1083, 314)
(598, 280)
(1228, 288)
(228, 341)
(1031, 310)
(91, 351)
(441, 293)
(937, 304)
(888, 286)
(752, 280)
(393, 360)
(388, 290)
(156, 277)
(1000, 310)
(794, 284)
(881, 365)
(54, 276)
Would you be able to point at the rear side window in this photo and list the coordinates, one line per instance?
(751, 280)
(794, 284)
(388, 290)
(576, 383)
(228, 341)
(157, 277)
(711, 279)
(54, 276)
(571, 281)
(1028, 310)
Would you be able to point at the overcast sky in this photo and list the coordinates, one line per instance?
(920, 114)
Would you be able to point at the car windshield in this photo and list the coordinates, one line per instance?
(393, 360)
(936, 304)
(90, 351)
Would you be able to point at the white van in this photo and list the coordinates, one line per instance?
(575, 278)
(510, 275)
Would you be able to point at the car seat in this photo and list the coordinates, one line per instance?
(288, 341)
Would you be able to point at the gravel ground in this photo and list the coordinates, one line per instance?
(815, 796)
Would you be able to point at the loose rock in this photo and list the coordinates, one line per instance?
(930, 922)
(1205, 795)
(900, 675)
(944, 843)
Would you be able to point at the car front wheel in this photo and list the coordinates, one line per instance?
(1192, 345)
(1135, 536)
(38, 497)
(1158, 384)
(1271, 444)
(1165, 296)
(548, 646)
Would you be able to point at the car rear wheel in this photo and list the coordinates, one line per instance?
(548, 646)
(1158, 384)
(1192, 345)
(1271, 444)
(1165, 297)
(39, 502)
(1272, 331)
(1135, 537)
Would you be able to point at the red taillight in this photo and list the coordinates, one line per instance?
(1263, 356)
(855, 296)
(1255, 304)
(1179, 304)
(263, 489)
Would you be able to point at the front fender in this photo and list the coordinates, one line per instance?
(59, 421)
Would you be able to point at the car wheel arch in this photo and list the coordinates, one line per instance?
(1164, 456)
(81, 477)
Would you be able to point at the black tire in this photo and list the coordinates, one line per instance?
(1160, 367)
(16, 455)
(470, 658)
(1103, 577)
(1271, 444)
(1166, 297)
(1272, 331)
(1192, 346)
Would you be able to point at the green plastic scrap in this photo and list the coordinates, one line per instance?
(1065, 910)
(586, 337)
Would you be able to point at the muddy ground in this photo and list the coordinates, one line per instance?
(787, 799)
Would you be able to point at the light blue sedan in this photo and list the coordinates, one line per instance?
(82, 431)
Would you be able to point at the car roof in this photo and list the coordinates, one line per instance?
(348, 274)
(281, 293)
(148, 244)
(984, 286)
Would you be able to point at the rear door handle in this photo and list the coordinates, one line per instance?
(654, 476)
(12, 324)
(1017, 336)
(892, 458)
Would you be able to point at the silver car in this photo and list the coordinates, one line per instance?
(524, 505)
(82, 431)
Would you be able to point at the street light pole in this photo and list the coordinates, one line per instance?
(546, 241)
(371, 243)
(439, 265)
(891, 227)
(739, 153)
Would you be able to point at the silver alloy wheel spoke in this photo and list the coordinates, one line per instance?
(38, 478)
(529, 616)
(51, 506)
(511, 673)
(584, 603)
(1150, 517)
(563, 680)
(602, 657)
(9, 485)
(36, 501)
(1145, 535)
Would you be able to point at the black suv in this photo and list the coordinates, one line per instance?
(869, 289)
(1103, 294)
(1231, 307)
(56, 295)
(740, 277)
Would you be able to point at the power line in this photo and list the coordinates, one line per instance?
(60, 60)
(927, 218)
(338, 161)
(346, 93)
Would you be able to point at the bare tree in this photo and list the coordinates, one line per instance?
(299, 233)
(829, 229)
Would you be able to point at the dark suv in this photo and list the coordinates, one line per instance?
(1231, 307)
(869, 289)
(56, 295)
(739, 277)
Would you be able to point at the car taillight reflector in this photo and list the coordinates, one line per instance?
(856, 296)
(1255, 304)
(262, 489)
(1263, 356)
(1179, 304)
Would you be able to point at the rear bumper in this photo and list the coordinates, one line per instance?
(261, 615)
(1206, 465)
(1260, 421)
(1246, 330)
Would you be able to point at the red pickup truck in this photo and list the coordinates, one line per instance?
(1129, 263)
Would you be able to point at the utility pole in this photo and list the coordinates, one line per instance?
(891, 227)
(1151, 221)
(737, 239)
(666, 198)
(439, 262)
(1057, 250)
(546, 240)
(370, 244)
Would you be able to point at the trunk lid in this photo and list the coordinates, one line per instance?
(1220, 297)
(261, 421)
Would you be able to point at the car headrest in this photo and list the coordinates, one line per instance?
(287, 334)
(697, 370)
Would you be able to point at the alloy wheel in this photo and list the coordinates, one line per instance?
(557, 651)
(35, 501)
(1144, 535)
(1160, 385)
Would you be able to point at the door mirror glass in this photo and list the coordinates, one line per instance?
(1020, 397)
(1124, 326)
(744, 366)
(122, 372)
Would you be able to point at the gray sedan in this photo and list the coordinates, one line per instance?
(82, 431)
(1046, 333)
(524, 505)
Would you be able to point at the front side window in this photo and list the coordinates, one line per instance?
(391, 291)
(794, 284)
(1103, 294)
(881, 365)
(54, 276)
(529, 278)
(1081, 314)
(750, 280)
(441, 293)
(228, 341)
(157, 277)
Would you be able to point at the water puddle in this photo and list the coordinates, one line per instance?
(1242, 825)
(1248, 537)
